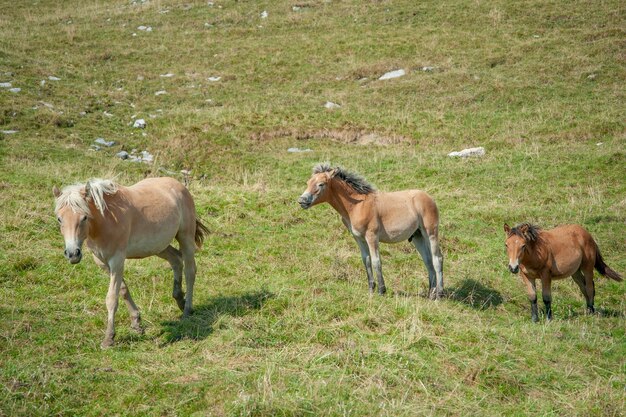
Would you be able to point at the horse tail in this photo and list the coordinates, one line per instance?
(604, 269)
(201, 232)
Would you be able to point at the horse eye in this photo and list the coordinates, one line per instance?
(59, 219)
(83, 219)
(320, 185)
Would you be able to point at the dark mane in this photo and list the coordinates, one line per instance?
(528, 232)
(355, 181)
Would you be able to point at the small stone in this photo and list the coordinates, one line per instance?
(15, 90)
(53, 78)
(168, 75)
(107, 114)
(331, 105)
(8, 132)
(5, 85)
(145, 28)
(213, 79)
(160, 93)
(393, 74)
(94, 148)
(479, 151)
(592, 76)
(428, 69)
(102, 141)
(42, 83)
(297, 150)
(122, 155)
(140, 123)
(264, 14)
(599, 143)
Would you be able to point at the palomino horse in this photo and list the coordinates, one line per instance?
(118, 223)
(554, 254)
(372, 217)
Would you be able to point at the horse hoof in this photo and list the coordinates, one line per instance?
(187, 313)
(106, 343)
(382, 291)
(138, 329)
(181, 303)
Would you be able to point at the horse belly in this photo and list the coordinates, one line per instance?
(399, 233)
(147, 238)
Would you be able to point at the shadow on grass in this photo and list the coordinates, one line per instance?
(202, 322)
(475, 295)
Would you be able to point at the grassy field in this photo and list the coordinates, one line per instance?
(284, 325)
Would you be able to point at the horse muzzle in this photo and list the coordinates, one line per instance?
(305, 201)
(74, 256)
(514, 269)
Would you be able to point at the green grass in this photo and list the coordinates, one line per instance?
(283, 322)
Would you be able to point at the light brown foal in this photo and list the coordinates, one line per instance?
(554, 254)
(119, 223)
(372, 217)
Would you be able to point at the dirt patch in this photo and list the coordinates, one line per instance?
(353, 136)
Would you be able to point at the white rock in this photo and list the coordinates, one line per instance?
(331, 105)
(480, 151)
(160, 93)
(107, 114)
(145, 28)
(168, 75)
(15, 90)
(297, 150)
(213, 79)
(428, 69)
(264, 14)
(140, 123)
(42, 83)
(102, 141)
(599, 143)
(94, 148)
(393, 74)
(122, 155)
(5, 85)
(8, 132)
(53, 78)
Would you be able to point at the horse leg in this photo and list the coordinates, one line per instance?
(135, 317)
(372, 244)
(175, 259)
(532, 296)
(579, 279)
(116, 266)
(590, 287)
(188, 249)
(546, 294)
(424, 250)
(367, 262)
(437, 260)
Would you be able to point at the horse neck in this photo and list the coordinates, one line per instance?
(537, 254)
(343, 198)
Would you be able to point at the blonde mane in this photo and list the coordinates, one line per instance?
(75, 196)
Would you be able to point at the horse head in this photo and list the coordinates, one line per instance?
(317, 187)
(73, 214)
(515, 244)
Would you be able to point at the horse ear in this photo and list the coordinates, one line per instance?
(87, 191)
(56, 192)
(507, 229)
(334, 172)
